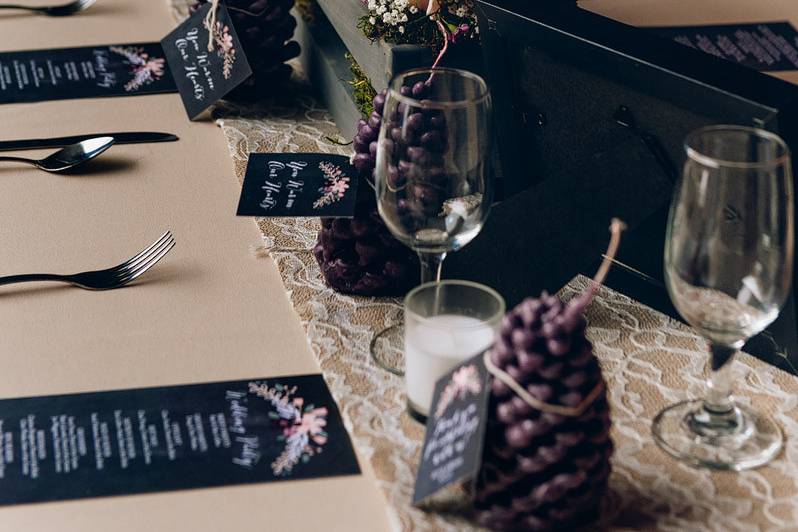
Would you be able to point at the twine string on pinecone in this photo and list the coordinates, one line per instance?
(210, 19)
(263, 30)
(210, 22)
(569, 411)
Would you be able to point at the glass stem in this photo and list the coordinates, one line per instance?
(718, 401)
(430, 266)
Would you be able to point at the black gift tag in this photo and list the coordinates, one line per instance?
(85, 72)
(299, 184)
(767, 46)
(203, 75)
(171, 438)
(452, 452)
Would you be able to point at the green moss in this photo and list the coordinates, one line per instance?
(418, 30)
(361, 86)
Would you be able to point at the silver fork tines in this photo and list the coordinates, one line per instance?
(107, 279)
(145, 260)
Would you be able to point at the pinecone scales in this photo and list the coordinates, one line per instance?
(544, 470)
(365, 141)
(265, 28)
(360, 256)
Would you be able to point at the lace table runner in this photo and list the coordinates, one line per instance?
(649, 361)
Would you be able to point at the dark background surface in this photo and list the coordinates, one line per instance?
(591, 116)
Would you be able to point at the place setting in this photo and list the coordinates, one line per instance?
(462, 266)
(76, 73)
(77, 154)
(147, 440)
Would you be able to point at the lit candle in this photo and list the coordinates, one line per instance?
(435, 345)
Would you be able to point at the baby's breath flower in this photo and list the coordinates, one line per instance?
(391, 19)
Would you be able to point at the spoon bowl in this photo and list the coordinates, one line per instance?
(70, 156)
(75, 154)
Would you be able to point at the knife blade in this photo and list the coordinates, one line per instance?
(127, 137)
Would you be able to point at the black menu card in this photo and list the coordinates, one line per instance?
(452, 452)
(206, 58)
(85, 72)
(170, 438)
(766, 46)
(299, 184)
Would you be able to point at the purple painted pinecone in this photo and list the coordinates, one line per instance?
(544, 471)
(265, 28)
(360, 256)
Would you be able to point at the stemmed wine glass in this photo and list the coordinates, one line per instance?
(728, 266)
(433, 186)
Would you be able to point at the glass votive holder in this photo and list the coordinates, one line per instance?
(446, 323)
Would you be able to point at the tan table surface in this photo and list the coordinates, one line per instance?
(210, 311)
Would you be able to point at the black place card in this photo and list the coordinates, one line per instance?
(205, 74)
(452, 452)
(767, 46)
(299, 184)
(85, 72)
(170, 438)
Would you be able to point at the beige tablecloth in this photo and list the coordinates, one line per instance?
(210, 311)
(217, 308)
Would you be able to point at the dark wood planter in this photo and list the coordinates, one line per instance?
(334, 32)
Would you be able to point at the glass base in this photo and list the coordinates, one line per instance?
(742, 439)
(387, 349)
(415, 414)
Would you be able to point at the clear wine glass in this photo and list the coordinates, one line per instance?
(433, 186)
(728, 266)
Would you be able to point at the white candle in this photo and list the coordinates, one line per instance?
(435, 346)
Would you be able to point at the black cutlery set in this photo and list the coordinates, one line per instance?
(72, 152)
(126, 137)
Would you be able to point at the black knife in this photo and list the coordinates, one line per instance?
(128, 137)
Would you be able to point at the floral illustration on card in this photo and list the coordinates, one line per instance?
(336, 183)
(465, 381)
(225, 49)
(303, 425)
(144, 67)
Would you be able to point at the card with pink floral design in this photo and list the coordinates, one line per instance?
(84, 72)
(206, 58)
(299, 184)
(455, 435)
(170, 438)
